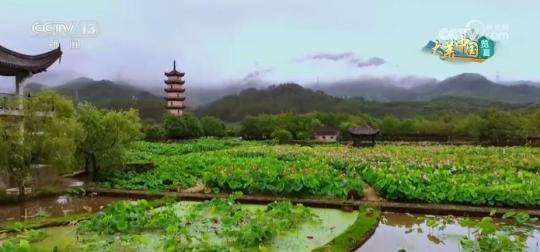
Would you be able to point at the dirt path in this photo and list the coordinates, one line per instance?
(400, 207)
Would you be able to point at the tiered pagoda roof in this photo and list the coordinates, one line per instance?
(179, 82)
(180, 89)
(176, 106)
(175, 98)
(174, 72)
(13, 63)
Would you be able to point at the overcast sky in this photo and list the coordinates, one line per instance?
(222, 41)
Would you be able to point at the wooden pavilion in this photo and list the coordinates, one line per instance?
(364, 135)
(23, 66)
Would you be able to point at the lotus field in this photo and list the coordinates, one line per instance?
(473, 175)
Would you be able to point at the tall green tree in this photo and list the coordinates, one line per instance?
(470, 125)
(282, 135)
(257, 127)
(46, 133)
(533, 122)
(501, 125)
(107, 134)
(390, 124)
(186, 126)
(212, 126)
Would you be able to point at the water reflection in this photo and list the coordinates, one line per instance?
(75, 181)
(398, 231)
(406, 220)
(54, 207)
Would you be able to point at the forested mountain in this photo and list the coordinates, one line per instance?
(108, 94)
(281, 98)
(297, 99)
(477, 86)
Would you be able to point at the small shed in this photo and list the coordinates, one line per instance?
(533, 140)
(364, 135)
(326, 134)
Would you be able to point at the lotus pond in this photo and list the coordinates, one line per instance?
(492, 176)
(165, 225)
(223, 225)
(472, 175)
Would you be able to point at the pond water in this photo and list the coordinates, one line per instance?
(54, 207)
(411, 232)
(309, 236)
(396, 231)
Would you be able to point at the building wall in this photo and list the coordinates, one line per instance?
(175, 103)
(177, 112)
(326, 138)
(173, 94)
(175, 85)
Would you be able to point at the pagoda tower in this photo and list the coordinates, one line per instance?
(175, 91)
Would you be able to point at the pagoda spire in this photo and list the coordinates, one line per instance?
(174, 65)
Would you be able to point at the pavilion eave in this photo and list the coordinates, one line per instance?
(17, 64)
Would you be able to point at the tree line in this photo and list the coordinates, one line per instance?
(493, 125)
(51, 131)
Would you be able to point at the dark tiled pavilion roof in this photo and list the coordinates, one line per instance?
(13, 63)
(365, 129)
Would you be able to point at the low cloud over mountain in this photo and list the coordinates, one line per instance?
(347, 57)
(467, 85)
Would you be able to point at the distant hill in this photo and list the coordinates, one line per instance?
(103, 91)
(200, 94)
(282, 98)
(33, 87)
(476, 86)
(297, 99)
(108, 94)
(376, 96)
(467, 85)
(377, 89)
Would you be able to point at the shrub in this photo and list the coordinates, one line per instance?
(182, 127)
(281, 135)
(212, 126)
(153, 133)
